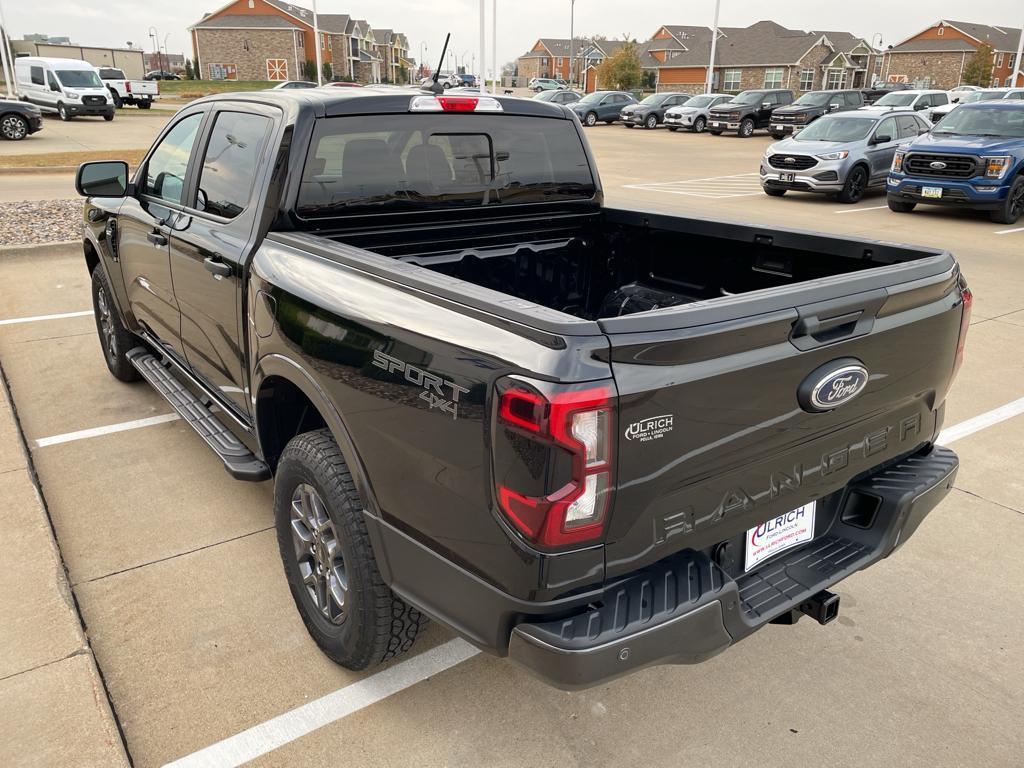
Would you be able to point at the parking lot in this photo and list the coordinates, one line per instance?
(174, 570)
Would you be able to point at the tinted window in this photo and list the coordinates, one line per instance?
(230, 164)
(854, 99)
(51, 81)
(887, 128)
(165, 171)
(357, 165)
(938, 99)
(37, 75)
(109, 73)
(908, 126)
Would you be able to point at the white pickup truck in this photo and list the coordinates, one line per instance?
(141, 93)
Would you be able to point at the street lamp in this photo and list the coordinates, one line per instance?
(423, 51)
(572, 39)
(709, 84)
(154, 35)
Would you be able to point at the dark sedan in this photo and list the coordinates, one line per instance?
(558, 97)
(160, 74)
(601, 105)
(19, 119)
(651, 111)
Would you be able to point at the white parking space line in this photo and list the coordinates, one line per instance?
(303, 720)
(1009, 231)
(34, 318)
(124, 426)
(736, 185)
(274, 733)
(858, 210)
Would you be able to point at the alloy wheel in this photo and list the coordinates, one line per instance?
(699, 125)
(318, 553)
(14, 128)
(1017, 202)
(106, 322)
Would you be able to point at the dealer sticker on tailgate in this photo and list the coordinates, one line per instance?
(779, 534)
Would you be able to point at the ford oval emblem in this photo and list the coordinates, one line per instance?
(789, 160)
(832, 385)
(938, 165)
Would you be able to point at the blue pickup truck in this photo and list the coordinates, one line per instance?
(974, 159)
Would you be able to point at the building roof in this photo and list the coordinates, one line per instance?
(292, 9)
(1000, 38)
(683, 37)
(952, 44)
(333, 23)
(382, 36)
(246, 21)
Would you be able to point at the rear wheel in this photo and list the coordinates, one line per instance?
(699, 125)
(899, 206)
(715, 132)
(651, 122)
(115, 339)
(347, 608)
(746, 128)
(13, 127)
(673, 128)
(62, 112)
(590, 119)
(143, 104)
(1013, 208)
(855, 186)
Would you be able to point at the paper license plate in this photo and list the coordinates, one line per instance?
(778, 127)
(787, 177)
(931, 191)
(779, 534)
(716, 124)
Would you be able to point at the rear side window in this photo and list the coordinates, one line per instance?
(165, 171)
(441, 160)
(854, 99)
(37, 76)
(230, 164)
(908, 126)
(938, 99)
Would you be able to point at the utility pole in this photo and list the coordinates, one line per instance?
(494, 48)
(483, 47)
(319, 55)
(714, 44)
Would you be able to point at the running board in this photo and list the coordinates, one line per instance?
(238, 460)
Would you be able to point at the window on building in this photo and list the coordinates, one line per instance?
(301, 40)
(558, 61)
(942, 31)
(1012, 61)
(999, 60)
(806, 79)
(1009, 81)
(835, 78)
(544, 62)
(731, 79)
(773, 77)
(230, 164)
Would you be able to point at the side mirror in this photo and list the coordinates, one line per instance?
(833, 107)
(103, 178)
(766, 105)
(54, 87)
(919, 106)
(881, 138)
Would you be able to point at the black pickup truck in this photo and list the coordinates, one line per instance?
(593, 439)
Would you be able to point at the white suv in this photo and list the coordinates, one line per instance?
(911, 99)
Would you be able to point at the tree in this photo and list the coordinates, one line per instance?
(978, 70)
(403, 74)
(189, 72)
(328, 72)
(310, 70)
(621, 71)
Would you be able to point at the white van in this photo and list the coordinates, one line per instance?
(68, 87)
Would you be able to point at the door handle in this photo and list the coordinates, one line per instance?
(216, 267)
(157, 238)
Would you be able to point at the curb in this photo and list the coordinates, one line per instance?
(39, 169)
(58, 248)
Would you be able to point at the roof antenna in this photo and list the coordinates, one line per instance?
(436, 87)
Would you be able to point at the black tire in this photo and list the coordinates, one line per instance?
(144, 104)
(855, 187)
(590, 119)
(898, 206)
(1013, 208)
(715, 133)
(372, 625)
(746, 129)
(778, 136)
(610, 122)
(651, 122)
(115, 339)
(773, 191)
(699, 125)
(62, 112)
(108, 116)
(672, 128)
(118, 101)
(13, 127)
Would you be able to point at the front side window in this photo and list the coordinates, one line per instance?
(357, 166)
(731, 79)
(908, 126)
(806, 79)
(773, 77)
(231, 161)
(887, 128)
(165, 172)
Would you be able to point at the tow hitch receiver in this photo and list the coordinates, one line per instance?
(822, 607)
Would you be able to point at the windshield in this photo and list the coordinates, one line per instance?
(655, 99)
(837, 128)
(426, 162)
(700, 101)
(546, 95)
(79, 78)
(814, 99)
(896, 99)
(749, 97)
(983, 121)
(981, 96)
(109, 73)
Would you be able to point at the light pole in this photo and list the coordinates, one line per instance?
(167, 57)
(8, 65)
(494, 43)
(572, 39)
(154, 35)
(709, 84)
(423, 52)
(483, 47)
(319, 55)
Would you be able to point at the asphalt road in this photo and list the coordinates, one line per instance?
(174, 568)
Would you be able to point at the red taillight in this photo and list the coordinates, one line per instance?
(458, 103)
(579, 422)
(965, 322)
(128, 86)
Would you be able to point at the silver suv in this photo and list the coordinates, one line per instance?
(845, 153)
(693, 115)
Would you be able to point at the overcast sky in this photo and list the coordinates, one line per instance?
(520, 22)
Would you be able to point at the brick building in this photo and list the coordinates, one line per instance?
(272, 40)
(549, 57)
(936, 56)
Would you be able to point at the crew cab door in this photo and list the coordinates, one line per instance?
(211, 240)
(144, 226)
(880, 153)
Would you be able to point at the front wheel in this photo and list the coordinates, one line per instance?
(700, 124)
(590, 119)
(673, 128)
(773, 191)
(899, 206)
(1013, 207)
(62, 112)
(14, 127)
(118, 101)
(347, 608)
(108, 116)
(855, 186)
(778, 136)
(651, 122)
(115, 339)
(746, 128)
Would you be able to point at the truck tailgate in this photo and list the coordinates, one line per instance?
(717, 431)
(143, 87)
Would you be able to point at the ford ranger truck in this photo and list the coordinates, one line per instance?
(973, 159)
(590, 438)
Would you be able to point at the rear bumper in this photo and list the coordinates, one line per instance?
(681, 610)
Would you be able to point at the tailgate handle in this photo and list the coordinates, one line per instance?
(829, 321)
(832, 327)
